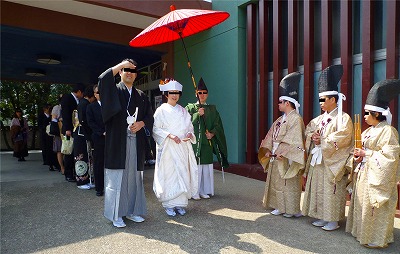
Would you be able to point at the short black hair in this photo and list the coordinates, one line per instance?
(88, 92)
(131, 61)
(292, 105)
(378, 116)
(46, 106)
(333, 96)
(78, 87)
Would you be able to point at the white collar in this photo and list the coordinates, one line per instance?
(76, 99)
(129, 89)
(197, 102)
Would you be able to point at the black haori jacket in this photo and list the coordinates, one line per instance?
(114, 102)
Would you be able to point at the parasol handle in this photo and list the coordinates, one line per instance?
(190, 69)
(194, 82)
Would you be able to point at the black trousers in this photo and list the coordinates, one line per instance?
(69, 164)
(49, 157)
(98, 163)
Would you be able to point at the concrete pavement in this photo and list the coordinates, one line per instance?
(42, 213)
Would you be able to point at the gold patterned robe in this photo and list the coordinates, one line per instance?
(374, 198)
(325, 191)
(283, 185)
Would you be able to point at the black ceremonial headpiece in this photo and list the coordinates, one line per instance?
(328, 85)
(329, 79)
(380, 95)
(289, 88)
(201, 85)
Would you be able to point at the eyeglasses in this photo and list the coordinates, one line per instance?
(97, 92)
(130, 70)
(322, 99)
(280, 102)
(367, 113)
(175, 92)
(202, 92)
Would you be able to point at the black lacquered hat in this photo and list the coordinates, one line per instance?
(289, 88)
(380, 95)
(329, 79)
(201, 85)
(289, 85)
(328, 85)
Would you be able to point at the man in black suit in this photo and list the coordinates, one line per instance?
(95, 122)
(46, 141)
(69, 103)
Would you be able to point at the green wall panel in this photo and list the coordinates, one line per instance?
(218, 55)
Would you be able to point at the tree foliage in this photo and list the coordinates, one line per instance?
(30, 97)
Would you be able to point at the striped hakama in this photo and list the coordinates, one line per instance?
(124, 190)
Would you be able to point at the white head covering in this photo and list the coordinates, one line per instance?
(170, 86)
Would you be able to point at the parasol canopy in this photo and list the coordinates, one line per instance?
(178, 24)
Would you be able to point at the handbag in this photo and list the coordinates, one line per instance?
(67, 145)
(48, 131)
(54, 129)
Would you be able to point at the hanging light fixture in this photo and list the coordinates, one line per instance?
(48, 59)
(35, 72)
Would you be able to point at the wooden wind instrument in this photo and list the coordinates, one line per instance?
(357, 131)
(357, 140)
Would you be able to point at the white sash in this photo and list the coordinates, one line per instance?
(316, 155)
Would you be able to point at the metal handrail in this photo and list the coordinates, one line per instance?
(152, 72)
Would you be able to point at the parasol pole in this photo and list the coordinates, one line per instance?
(193, 81)
(190, 68)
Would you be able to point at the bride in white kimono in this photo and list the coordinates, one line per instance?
(175, 176)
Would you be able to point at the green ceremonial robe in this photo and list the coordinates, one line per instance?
(212, 121)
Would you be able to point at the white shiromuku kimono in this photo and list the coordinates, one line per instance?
(374, 198)
(175, 176)
(283, 184)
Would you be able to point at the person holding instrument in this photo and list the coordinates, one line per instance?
(210, 135)
(329, 140)
(284, 146)
(374, 198)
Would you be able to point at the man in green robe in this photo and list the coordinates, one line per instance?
(209, 132)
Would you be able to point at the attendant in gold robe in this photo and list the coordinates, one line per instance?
(329, 141)
(374, 198)
(284, 147)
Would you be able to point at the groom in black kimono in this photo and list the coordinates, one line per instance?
(125, 112)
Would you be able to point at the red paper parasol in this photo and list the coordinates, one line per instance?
(178, 24)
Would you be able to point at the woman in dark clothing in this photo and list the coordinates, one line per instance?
(19, 135)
